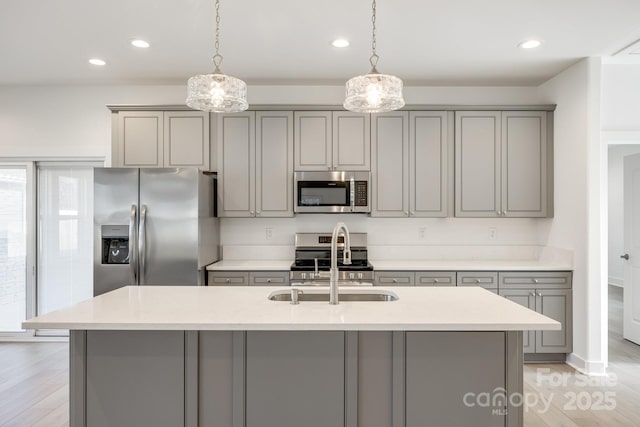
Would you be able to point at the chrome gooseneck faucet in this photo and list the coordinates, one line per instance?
(333, 280)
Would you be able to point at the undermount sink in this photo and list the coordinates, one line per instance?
(309, 295)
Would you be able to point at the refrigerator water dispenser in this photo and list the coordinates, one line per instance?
(115, 244)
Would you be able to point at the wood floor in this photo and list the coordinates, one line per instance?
(34, 385)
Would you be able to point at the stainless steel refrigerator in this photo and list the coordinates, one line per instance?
(153, 227)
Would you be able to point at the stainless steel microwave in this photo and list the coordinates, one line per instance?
(332, 192)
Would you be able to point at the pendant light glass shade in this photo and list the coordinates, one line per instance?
(373, 93)
(217, 92)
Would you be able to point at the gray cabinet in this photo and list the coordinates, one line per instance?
(295, 376)
(255, 173)
(485, 279)
(135, 378)
(394, 278)
(236, 164)
(274, 163)
(338, 140)
(430, 163)
(502, 164)
(435, 278)
(412, 164)
(550, 294)
(390, 164)
(228, 278)
(269, 278)
(161, 139)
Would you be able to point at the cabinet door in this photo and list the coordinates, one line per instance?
(274, 164)
(390, 164)
(556, 304)
(186, 139)
(526, 298)
(295, 379)
(269, 278)
(478, 163)
(140, 139)
(524, 163)
(236, 164)
(228, 278)
(394, 278)
(351, 141)
(312, 138)
(486, 279)
(435, 278)
(431, 163)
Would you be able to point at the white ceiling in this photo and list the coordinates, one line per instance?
(431, 42)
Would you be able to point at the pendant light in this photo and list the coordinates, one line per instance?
(373, 92)
(217, 92)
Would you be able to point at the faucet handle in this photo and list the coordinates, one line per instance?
(347, 256)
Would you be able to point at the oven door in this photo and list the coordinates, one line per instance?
(331, 192)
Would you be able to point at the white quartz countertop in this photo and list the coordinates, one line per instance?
(249, 265)
(468, 265)
(248, 308)
(404, 265)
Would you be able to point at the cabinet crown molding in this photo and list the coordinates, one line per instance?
(309, 107)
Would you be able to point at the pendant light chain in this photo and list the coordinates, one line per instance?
(374, 56)
(217, 58)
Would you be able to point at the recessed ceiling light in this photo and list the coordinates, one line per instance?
(140, 43)
(340, 43)
(530, 44)
(97, 61)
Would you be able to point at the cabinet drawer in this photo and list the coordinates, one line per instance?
(534, 279)
(486, 279)
(435, 278)
(228, 278)
(394, 278)
(269, 278)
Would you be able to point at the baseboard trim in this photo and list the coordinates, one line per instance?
(616, 281)
(585, 366)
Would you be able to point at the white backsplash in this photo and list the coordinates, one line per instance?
(395, 238)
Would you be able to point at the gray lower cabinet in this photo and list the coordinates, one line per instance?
(269, 278)
(135, 378)
(295, 379)
(486, 279)
(228, 278)
(394, 278)
(550, 294)
(435, 278)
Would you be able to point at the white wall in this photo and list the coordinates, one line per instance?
(621, 97)
(577, 212)
(615, 208)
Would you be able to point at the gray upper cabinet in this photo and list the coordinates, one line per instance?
(325, 140)
(478, 143)
(351, 141)
(274, 163)
(430, 163)
(503, 164)
(255, 164)
(236, 164)
(186, 139)
(390, 164)
(412, 164)
(313, 136)
(162, 139)
(140, 139)
(524, 163)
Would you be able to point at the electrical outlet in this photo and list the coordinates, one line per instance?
(493, 233)
(422, 231)
(268, 233)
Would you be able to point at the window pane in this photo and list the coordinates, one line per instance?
(65, 249)
(13, 248)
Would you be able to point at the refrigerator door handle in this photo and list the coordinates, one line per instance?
(133, 258)
(142, 247)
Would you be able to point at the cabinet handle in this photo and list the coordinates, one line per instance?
(532, 294)
(406, 213)
(435, 280)
(539, 294)
(395, 280)
(257, 212)
(535, 280)
(228, 280)
(412, 213)
(268, 280)
(251, 212)
(497, 213)
(477, 280)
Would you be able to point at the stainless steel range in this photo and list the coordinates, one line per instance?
(313, 260)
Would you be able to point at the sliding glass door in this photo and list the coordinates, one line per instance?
(65, 239)
(16, 246)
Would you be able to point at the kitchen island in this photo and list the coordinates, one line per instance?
(229, 356)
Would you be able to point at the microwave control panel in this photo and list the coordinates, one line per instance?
(362, 193)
